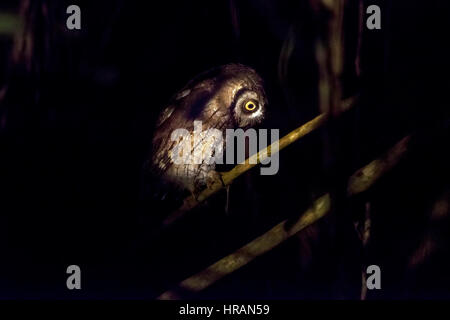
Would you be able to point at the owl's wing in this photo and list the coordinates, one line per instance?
(185, 107)
(192, 96)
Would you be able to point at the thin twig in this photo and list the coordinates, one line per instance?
(365, 236)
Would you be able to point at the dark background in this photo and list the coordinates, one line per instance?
(76, 127)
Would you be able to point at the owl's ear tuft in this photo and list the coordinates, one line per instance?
(165, 114)
(182, 94)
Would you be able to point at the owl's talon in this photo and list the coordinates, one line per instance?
(194, 195)
(213, 178)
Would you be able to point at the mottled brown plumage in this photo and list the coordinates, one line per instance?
(217, 98)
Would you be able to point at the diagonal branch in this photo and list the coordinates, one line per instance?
(250, 251)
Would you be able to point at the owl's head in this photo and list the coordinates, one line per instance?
(226, 97)
(229, 96)
(248, 99)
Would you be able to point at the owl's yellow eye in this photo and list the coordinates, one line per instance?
(250, 106)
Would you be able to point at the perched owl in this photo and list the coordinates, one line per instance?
(226, 97)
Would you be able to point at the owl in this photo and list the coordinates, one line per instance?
(227, 97)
